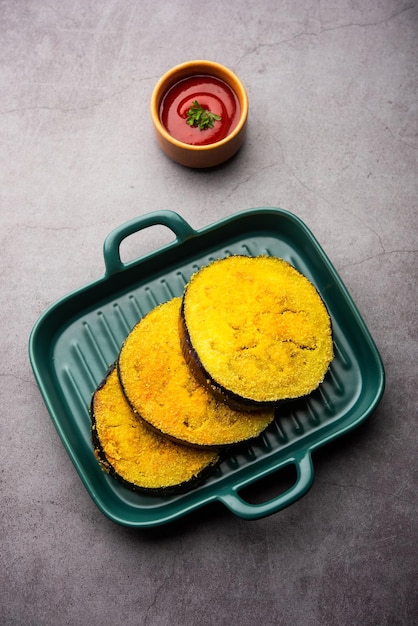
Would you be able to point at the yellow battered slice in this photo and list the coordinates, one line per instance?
(256, 329)
(136, 455)
(162, 390)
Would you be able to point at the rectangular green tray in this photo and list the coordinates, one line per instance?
(75, 340)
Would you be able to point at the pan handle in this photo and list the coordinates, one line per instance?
(305, 475)
(111, 246)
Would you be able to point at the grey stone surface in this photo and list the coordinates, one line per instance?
(333, 137)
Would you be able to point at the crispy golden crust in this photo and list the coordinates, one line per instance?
(257, 329)
(137, 456)
(162, 390)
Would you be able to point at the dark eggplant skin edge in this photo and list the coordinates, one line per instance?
(197, 368)
(107, 467)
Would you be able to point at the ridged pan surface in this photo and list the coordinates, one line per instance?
(74, 342)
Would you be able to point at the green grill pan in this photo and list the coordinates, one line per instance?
(76, 339)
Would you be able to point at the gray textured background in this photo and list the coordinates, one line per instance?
(333, 137)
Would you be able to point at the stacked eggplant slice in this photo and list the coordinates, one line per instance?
(206, 371)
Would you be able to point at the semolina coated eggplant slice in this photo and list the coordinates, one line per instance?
(135, 455)
(255, 330)
(162, 390)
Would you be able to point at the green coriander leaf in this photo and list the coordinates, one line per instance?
(200, 117)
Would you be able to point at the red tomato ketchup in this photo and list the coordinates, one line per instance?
(212, 94)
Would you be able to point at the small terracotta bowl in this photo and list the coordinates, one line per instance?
(211, 154)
